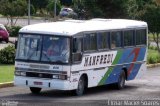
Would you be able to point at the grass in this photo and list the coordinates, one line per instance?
(6, 73)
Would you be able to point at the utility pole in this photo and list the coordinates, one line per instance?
(55, 9)
(29, 11)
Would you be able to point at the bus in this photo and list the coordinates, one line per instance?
(78, 54)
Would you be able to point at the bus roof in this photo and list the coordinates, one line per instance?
(71, 27)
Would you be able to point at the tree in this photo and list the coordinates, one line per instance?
(158, 2)
(13, 9)
(87, 9)
(50, 7)
(40, 4)
(148, 11)
(152, 17)
(112, 8)
(136, 8)
(66, 2)
(101, 8)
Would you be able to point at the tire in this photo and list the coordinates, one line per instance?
(121, 81)
(6, 40)
(35, 90)
(81, 87)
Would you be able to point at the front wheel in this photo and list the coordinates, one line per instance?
(81, 87)
(35, 90)
(121, 80)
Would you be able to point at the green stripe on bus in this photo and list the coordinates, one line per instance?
(119, 55)
(109, 71)
(102, 82)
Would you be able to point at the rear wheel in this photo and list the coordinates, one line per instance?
(81, 87)
(6, 40)
(35, 90)
(121, 80)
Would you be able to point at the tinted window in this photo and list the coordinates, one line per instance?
(103, 40)
(90, 42)
(77, 45)
(116, 39)
(140, 37)
(129, 38)
(77, 49)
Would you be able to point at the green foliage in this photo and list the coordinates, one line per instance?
(152, 17)
(13, 7)
(40, 4)
(13, 30)
(152, 60)
(100, 8)
(66, 2)
(50, 7)
(153, 48)
(136, 8)
(149, 12)
(153, 57)
(7, 55)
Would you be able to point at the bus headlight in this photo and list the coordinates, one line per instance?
(18, 73)
(55, 76)
(23, 73)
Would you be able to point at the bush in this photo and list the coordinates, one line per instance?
(152, 60)
(7, 55)
(153, 56)
(158, 59)
(153, 48)
(13, 30)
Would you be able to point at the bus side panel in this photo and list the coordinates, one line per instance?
(129, 58)
(133, 59)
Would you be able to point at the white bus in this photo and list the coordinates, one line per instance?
(79, 54)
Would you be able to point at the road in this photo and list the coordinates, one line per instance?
(23, 22)
(146, 88)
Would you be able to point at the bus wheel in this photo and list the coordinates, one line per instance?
(35, 90)
(81, 87)
(121, 80)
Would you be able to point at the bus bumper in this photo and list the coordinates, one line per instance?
(44, 83)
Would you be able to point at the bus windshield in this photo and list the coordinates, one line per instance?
(43, 48)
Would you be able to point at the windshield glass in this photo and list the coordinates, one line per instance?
(43, 48)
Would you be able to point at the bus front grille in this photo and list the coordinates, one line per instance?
(39, 75)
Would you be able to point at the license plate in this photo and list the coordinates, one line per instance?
(38, 83)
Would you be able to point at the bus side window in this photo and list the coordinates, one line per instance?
(77, 49)
(129, 38)
(116, 39)
(141, 37)
(103, 40)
